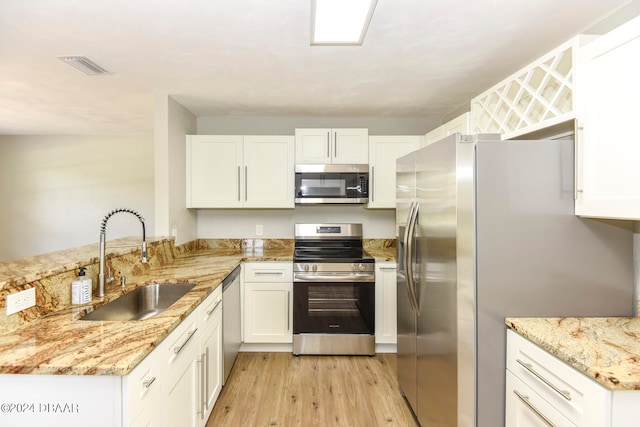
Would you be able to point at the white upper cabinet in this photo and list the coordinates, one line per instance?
(461, 124)
(234, 171)
(214, 171)
(435, 135)
(269, 163)
(383, 153)
(607, 146)
(332, 146)
(458, 125)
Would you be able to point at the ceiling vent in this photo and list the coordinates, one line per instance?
(85, 65)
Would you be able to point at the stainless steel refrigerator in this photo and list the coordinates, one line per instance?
(486, 230)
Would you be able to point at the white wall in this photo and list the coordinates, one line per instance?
(171, 123)
(267, 125)
(57, 189)
(278, 223)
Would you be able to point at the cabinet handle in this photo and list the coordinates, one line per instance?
(335, 144)
(202, 398)
(525, 400)
(245, 183)
(577, 131)
(239, 183)
(528, 367)
(214, 307)
(328, 145)
(179, 348)
(373, 177)
(148, 383)
(206, 381)
(268, 273)
(288, 310)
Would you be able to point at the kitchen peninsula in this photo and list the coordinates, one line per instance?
(573, 371)
(57, 343)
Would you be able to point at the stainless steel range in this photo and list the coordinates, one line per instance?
(333, 291)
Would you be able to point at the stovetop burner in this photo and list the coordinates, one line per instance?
(329, 243)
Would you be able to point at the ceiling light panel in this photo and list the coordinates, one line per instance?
(85, 65)
(340, 22)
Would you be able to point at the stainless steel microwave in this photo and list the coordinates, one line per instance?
(332, 183)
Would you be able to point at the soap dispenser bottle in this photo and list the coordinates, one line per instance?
(81, 288)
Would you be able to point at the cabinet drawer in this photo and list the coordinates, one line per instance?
(580, 399)
(180, 341)
(211, 305)
(142, 385)
(268, 271)
(524, 407)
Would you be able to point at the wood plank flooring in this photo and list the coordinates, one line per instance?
(280, 389)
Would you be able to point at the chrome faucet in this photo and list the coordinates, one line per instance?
(103, 247)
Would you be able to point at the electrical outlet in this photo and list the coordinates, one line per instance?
(259, 230)
(21, 300)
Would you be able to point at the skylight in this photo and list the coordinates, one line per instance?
(340, 22)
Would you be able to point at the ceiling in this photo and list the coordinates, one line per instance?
(252, 57)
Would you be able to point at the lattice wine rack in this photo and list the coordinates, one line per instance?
(537, 96)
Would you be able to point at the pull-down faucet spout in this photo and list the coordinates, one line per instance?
(103, 246)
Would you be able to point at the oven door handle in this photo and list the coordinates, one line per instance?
(334, 278)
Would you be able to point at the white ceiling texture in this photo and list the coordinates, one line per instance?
(253, 57)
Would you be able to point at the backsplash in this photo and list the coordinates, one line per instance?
(51, 274)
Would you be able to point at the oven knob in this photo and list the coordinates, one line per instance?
(315, 267)
(306, 267)
(361, 267)
(353, 267)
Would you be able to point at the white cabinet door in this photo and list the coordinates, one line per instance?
(214, 171)
(350, 146)
(332, 146)
(180, 392)
(461, 124)
(435, 135)
(607, 94)
(383, 152)
(524, 408)
(313, 146)
(268, 312)
(269, 164)
(234, 171)
(150, 416)
(458, 125)
(211, 354)
(386, 303)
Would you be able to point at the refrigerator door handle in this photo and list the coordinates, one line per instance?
(409, 255)
(405, 256)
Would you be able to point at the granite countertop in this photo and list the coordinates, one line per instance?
(606, 349)
(60, 343)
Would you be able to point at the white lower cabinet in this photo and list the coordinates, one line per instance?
(386, 303)
(211, 356)
(176, 385)
(180, 391)
(542, 390)
(268, 302)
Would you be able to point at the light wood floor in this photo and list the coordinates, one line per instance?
(279, 389)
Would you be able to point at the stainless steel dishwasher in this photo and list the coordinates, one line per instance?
(230, 321)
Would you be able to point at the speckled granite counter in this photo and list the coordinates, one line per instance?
(59, 343)
(605, 349)
(49, 338)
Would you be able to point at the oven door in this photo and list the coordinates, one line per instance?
(328, 307)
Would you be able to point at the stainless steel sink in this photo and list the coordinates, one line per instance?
(141, 303)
